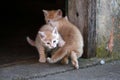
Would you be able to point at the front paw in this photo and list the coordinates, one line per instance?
(49, 60)
(41, 60)
(61, 44)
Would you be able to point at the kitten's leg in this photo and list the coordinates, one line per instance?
(65, 60)
(42, 56)
(58, 55)
(74, 60)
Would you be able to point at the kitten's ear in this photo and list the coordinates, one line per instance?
(45, 12)
(66, 17)
(42, 34)
(55, 31)
(59, 12)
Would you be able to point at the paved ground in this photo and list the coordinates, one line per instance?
(109, 71)
(32, 70)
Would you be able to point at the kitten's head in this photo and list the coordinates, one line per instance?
(49, 39)
(52, 15)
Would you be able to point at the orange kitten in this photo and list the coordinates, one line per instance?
(52, 15)
(73, 47)
(47, 39)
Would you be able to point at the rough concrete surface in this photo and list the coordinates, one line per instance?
(89, 70)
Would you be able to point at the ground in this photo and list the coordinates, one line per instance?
(89, 70)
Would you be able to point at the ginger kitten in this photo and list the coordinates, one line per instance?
(47, 39)
(73, 47)
(52, 15)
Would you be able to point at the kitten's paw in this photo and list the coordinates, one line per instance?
(49, 60)
(42, 60)
(61, 44)
(76, 66)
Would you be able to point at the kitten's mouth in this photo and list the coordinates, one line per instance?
(52, 47)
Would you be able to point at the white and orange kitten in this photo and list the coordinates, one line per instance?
(47, 38)
(73, 47)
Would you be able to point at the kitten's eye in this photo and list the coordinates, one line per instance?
(54, 41)
(48, 43)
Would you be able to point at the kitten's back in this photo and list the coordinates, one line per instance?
(72, 36)
(69, 32)
(73, 46)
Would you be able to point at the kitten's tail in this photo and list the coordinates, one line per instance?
(31, 42)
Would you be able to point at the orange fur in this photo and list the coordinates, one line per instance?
(52, 15)
(73, 47)
(45, 39)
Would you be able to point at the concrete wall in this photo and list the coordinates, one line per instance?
(82, 13)
(108, 20)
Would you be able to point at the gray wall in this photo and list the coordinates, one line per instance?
(108, 19)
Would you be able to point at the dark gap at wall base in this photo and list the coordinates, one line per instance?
(18, 20)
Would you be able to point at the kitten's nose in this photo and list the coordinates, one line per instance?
(48, 21)
(53, 46)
